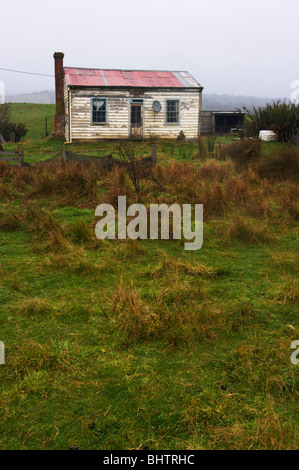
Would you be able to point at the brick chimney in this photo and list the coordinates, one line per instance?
(59, 95)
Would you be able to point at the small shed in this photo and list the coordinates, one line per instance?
(94, 104)
(221, 122)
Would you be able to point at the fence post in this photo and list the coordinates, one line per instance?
(21, 156)
(154, 154)
(63, 155)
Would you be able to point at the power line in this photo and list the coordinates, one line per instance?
(27, 73)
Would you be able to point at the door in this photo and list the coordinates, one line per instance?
(136, 119)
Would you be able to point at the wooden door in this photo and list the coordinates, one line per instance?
(136, 120)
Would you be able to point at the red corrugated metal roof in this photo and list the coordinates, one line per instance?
(128, 78)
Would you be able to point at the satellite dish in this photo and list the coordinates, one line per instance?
(157, 106)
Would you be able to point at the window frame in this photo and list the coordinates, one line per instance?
(95, 123)
(178, 122)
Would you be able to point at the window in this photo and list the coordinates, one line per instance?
(99, 110)
(172, 111)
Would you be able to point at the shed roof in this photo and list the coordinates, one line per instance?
(129, 78)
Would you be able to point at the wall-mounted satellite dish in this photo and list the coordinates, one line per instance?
(157, 106)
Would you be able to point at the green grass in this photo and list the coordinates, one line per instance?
(126, 345)
(34, 116)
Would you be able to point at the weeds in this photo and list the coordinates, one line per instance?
(244, 153)
(282, 166)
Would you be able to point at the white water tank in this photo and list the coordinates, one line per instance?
(268, 136)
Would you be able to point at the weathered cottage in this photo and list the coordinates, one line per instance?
(96, 104)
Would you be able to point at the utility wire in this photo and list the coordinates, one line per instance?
(27, 73)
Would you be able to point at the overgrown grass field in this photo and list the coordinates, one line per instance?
(141, 344)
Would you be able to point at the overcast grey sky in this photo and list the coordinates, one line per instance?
(247, 47)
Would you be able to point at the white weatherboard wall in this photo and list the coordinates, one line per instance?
(78, 113)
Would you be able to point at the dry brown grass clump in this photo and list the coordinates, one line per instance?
(28, 356)
(259, 205)
(168, 265)
(178, 314)
(289, 201)
(69, 184)
(288, 293)
(283, 165)
(9, 222)
(116, 184)
(75, 261)
(270, 432)
(214, 200)
(79, 232)
(181, 180)
(244, 153)
(245, 230)
(34, 306)
(214, 171)
(237, 189)
(5, 170)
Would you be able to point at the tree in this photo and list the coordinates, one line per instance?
(280, 117)
(7, 127)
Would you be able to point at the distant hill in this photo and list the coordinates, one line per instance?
(42, 97)
(213, 102)
(216, 102)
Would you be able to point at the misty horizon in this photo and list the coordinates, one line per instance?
(240, 49)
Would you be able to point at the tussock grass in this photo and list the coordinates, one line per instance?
(288, 293)
(79, 232)
(175, 315)
(289, 201)
(33, 306)
(245, 230)
(214, 171)
(32, 356)
(76, 262)
(214, 200)
(167, 265)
